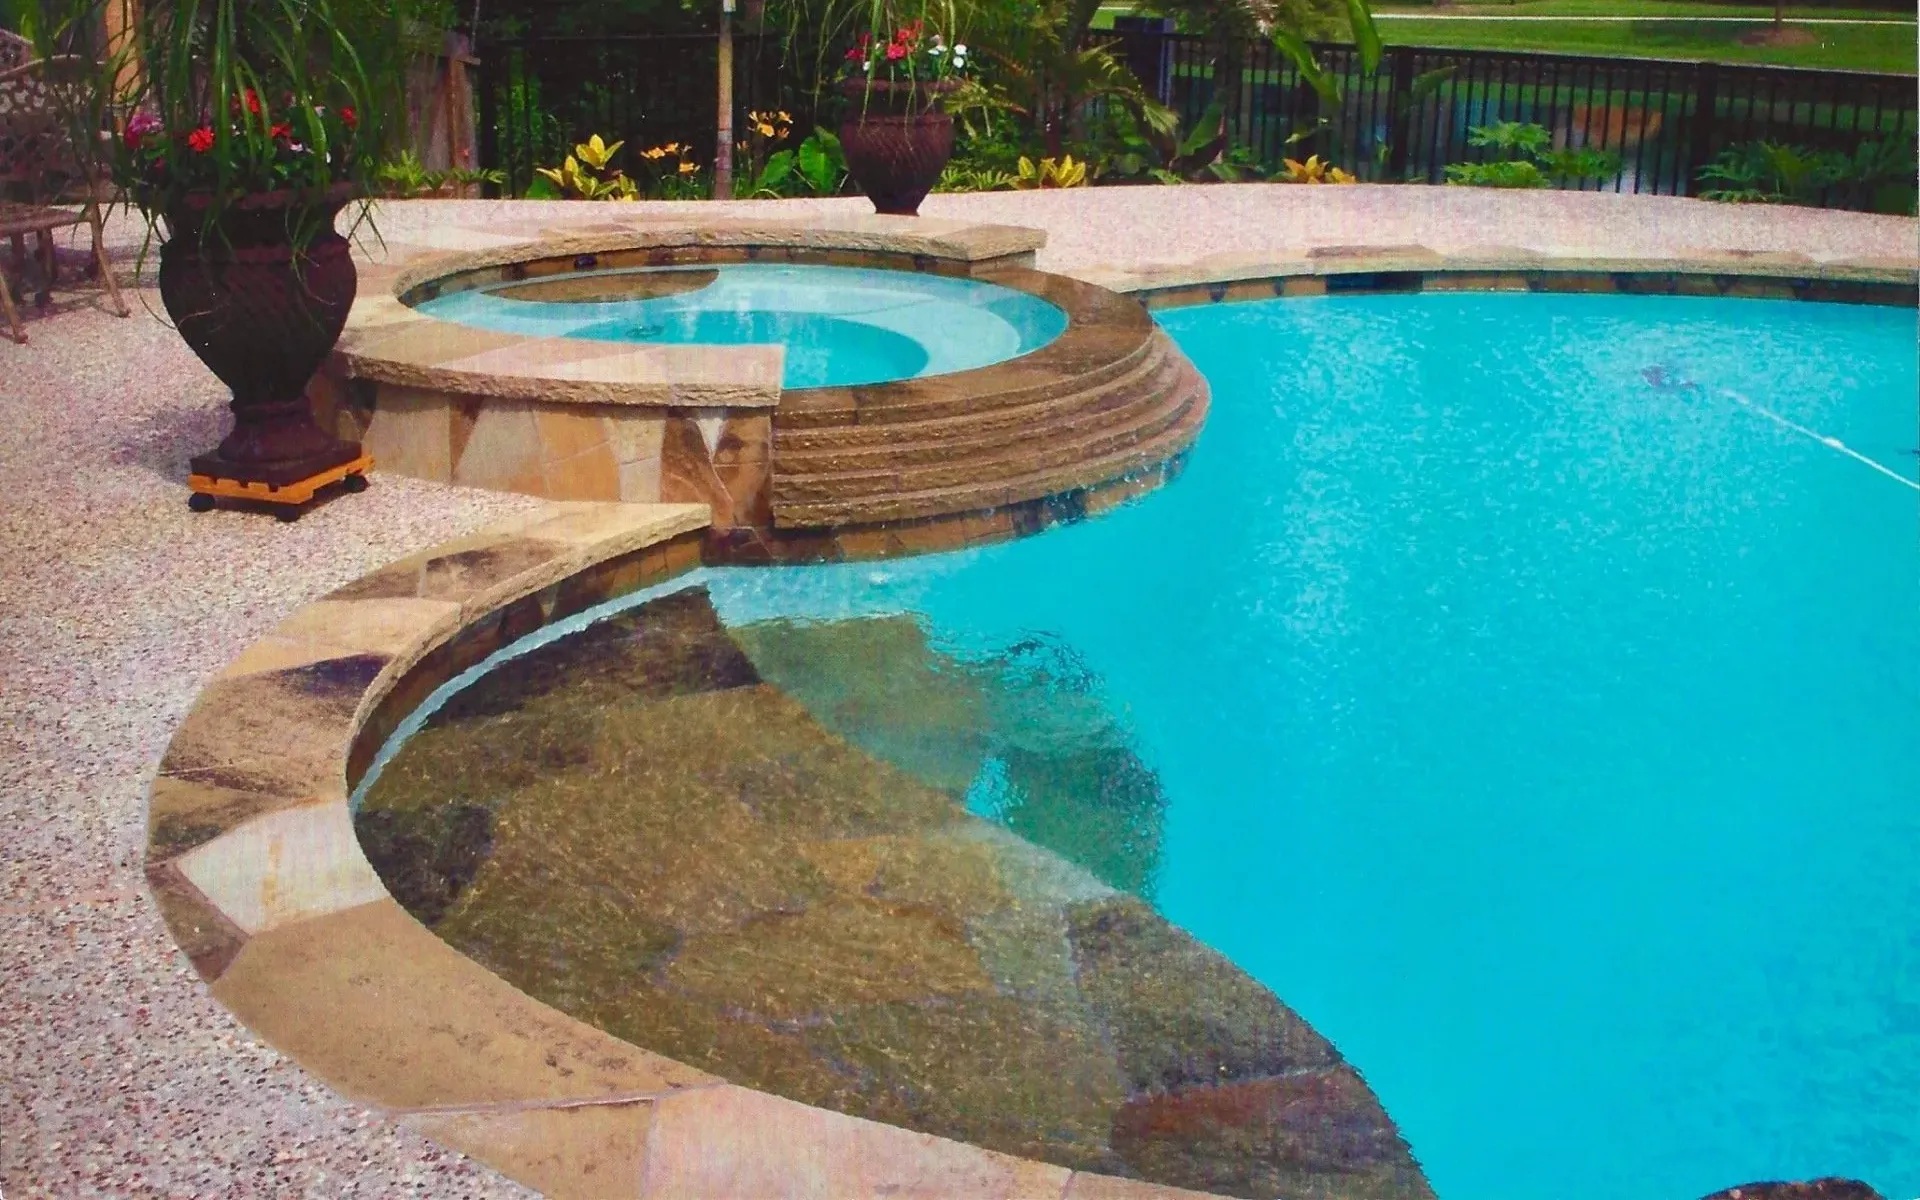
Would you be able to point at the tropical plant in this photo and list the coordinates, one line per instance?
(760, 138)
(1064, 172)
(1765, 172)
(1882, 174)
(1503, 173)
(816, 167)
(231, 98)
(909, 53)
(1312, 171)
(1528, 159)
(672, 173)
(405, 175)
(589, 174)
(476, 177)
(817, 34)
(1202, 152)
(968, 177)
(1047, 72)
(1328, 121)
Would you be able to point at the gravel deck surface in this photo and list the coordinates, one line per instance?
(119, 1074)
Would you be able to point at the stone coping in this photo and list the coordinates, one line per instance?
(1761, 274)
(387, 340)
(253, 860)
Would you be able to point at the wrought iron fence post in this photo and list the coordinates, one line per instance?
(1399, 113)
(489, 116)
(1706, 99)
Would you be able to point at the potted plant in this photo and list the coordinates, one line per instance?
(253, 124)
(896, 135)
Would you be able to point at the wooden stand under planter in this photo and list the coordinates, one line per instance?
(287, 499)
(897, 140)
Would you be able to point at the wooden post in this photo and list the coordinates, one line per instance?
(723, 128)
(122, 22)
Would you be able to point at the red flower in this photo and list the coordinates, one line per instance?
(896, 52)
(282, 130)
(253, 101)
(348, 117)
(855, 53)
(200, 140)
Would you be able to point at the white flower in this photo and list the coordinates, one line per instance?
(958, 62)
(866, 66)
(961, 49)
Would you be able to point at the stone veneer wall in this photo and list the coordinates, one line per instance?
(930, 464)
(563, 450)
(578, 420)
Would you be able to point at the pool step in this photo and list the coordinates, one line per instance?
(982, 411)
(1141, 432)
(1126, 335)
(907, 444)
(1138, 412)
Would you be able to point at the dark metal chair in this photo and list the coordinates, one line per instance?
(41, 176)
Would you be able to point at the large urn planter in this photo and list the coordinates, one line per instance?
(897, 140)
(261, 294)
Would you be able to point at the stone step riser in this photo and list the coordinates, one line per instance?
(1057, 448)
(947, 501)
(797, 423)
(989, 495)
(1068, 417)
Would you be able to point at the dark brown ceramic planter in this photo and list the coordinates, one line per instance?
(897, 141)
(261, 295)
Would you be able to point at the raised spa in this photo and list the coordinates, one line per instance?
(841, 326)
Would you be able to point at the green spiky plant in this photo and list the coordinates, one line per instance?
(217, 100)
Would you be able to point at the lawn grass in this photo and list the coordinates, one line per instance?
(1888, 48)
(1638, 8)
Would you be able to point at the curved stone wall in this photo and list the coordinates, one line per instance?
(253, 857)
(819, 473)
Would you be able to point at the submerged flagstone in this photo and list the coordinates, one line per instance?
(632, 824)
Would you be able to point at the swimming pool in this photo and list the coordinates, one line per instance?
(841, 326)
(1521, 686)
(1532, 691)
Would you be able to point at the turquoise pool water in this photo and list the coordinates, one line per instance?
(841, 326)
(1535, 696)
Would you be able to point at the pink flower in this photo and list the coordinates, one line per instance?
(896, 52)
(200, 140)
(138, 127)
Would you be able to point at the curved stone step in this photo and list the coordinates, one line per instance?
(1191, 404)
(1095, 436)
(1019, 381)
(972, 438)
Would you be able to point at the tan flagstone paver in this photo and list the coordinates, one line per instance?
(584, 1151)
(373, 1003)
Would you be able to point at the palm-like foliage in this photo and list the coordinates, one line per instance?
(214, 100)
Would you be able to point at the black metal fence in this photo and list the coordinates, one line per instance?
(1411, 118)
(1406, 121)
(538, 96)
